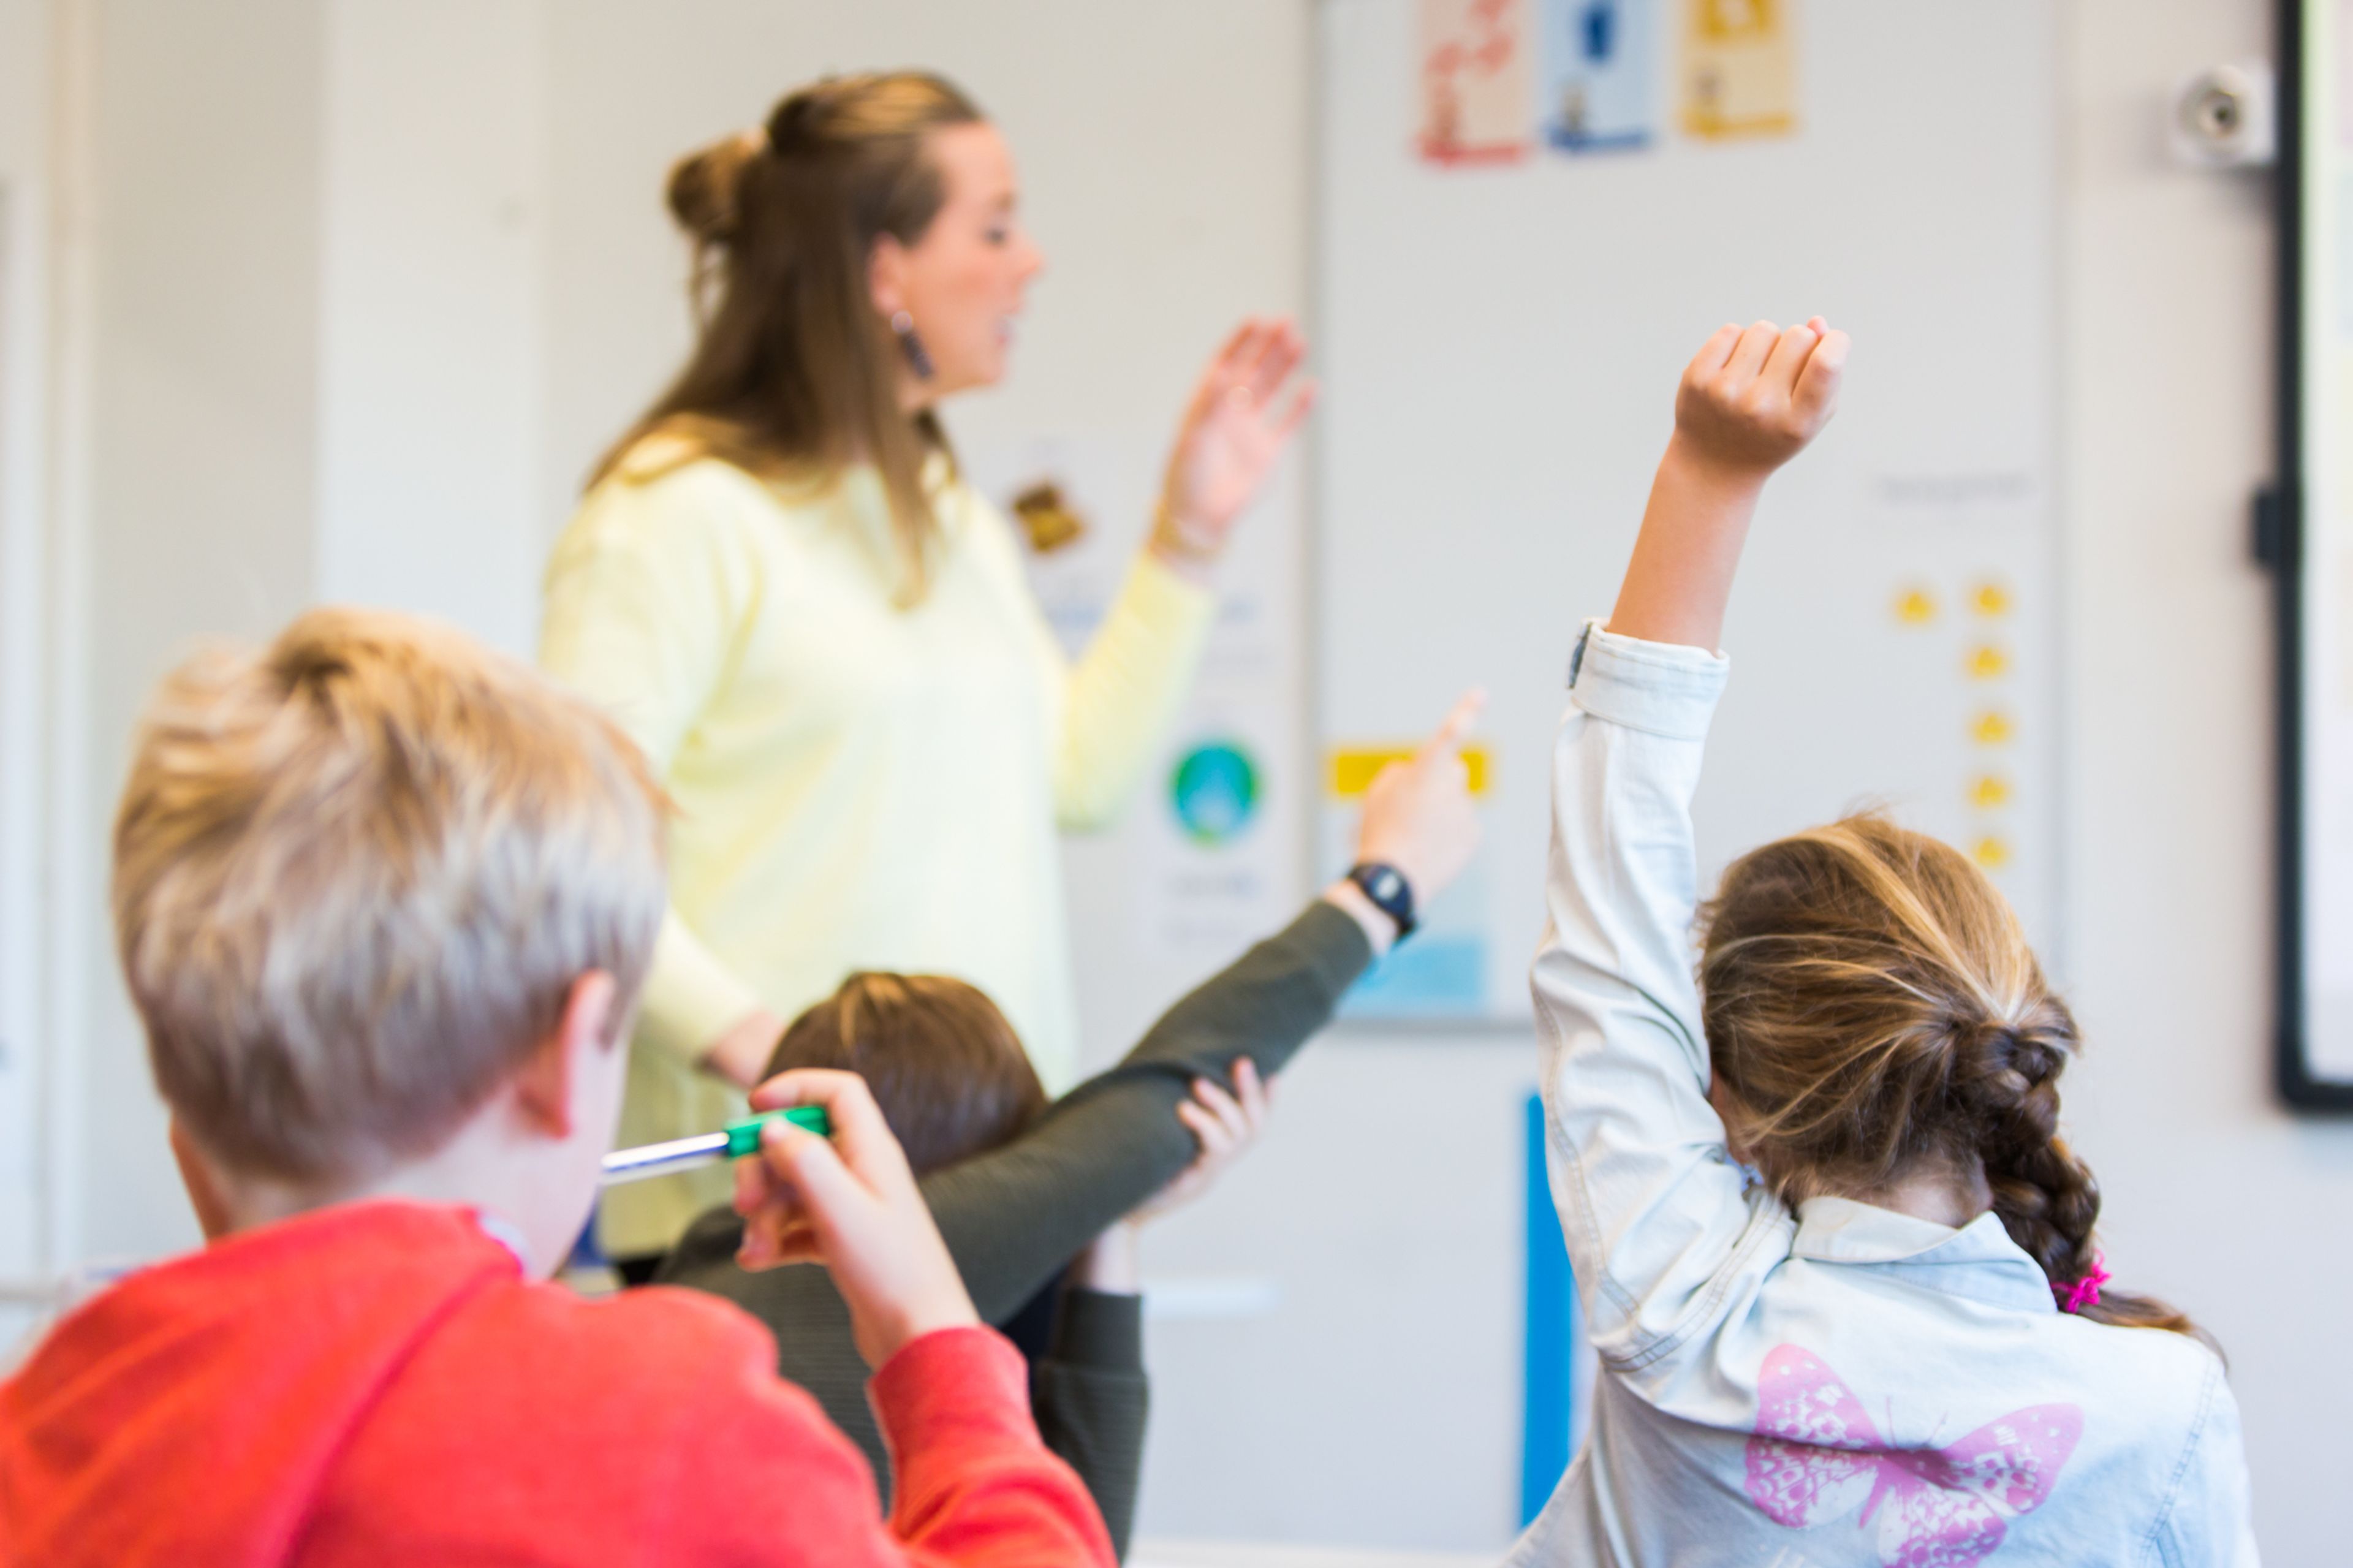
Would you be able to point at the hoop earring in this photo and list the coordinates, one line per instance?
(918, 358)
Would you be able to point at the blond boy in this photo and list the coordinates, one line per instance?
(385, 901)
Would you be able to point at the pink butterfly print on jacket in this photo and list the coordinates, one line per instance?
(1817, 1458)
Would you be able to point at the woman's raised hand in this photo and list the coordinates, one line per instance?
(1243, 414)
(850, 1201)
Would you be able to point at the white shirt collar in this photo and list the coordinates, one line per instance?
(1978, 1260)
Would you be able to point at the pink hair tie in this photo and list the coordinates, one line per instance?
(2083, 1292)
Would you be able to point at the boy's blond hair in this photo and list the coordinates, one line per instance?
(355, 876)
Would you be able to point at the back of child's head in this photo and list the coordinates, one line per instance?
(1873, 1012)
(356, 874)
(944, 1066)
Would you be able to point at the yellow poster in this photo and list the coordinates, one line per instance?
(1739, 68)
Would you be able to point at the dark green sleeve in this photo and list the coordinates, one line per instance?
(1092, 1399)
(1014, 1215)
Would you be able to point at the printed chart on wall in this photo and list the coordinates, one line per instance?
(2318, 968)
(1205, 859)
(1501, 337)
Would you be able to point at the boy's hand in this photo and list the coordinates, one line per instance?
(1752, 399)
(1419, 814)
(851, 1204)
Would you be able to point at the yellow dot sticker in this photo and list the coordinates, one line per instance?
(1991, 853)
(1992, 599)
(1915, 607)
(1990, 791)
(1992, 728)
(1987, 660)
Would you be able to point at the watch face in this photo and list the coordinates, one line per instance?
(1385, 885)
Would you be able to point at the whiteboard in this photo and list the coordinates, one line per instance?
(2314, 568)
(1499, 344)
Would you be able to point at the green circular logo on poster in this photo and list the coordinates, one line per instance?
(1214, 791)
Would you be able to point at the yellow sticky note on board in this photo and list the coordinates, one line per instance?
(1354, 768)
(1739, 68)
(1991, 853)
(1992, 728)
(1915, 607)
(1988, 660)
(1989, 791)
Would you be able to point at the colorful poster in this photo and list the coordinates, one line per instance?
(1475, 81)
(1600, 73)
(1739, 72)
(1441, 972)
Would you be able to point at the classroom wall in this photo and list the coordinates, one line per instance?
(200, 465)
(2215, 1197)
(1371, 1394)
(24, 251)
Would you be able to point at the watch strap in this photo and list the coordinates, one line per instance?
(1391, 893)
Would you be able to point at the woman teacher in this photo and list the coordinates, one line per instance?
(823, 638)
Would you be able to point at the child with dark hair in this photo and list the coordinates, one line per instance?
(1836, 1259)
(1025, 1193)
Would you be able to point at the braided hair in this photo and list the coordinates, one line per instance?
(1874, 1013)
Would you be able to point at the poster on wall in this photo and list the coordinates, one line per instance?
(1209, 886)
(1441, 972)
(1204, 858)
(1738, 74)
(1600, 71)
(1476, 81)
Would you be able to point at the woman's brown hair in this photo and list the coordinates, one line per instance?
(944, 1066)
(793, 373)
(1872, 1010)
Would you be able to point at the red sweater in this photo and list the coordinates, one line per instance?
(377, 1383)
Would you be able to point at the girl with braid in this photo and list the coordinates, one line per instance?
(1838, 1262)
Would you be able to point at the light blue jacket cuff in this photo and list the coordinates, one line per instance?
(1661, 689)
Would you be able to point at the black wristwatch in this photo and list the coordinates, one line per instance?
(1390, 892)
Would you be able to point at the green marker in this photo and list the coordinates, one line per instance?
(740, 1139)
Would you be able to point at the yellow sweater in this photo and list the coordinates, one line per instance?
(859, 785)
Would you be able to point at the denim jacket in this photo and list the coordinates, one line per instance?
(1847, 1385)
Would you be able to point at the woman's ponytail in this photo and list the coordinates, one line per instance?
(706, 187)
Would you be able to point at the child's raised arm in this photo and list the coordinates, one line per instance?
(1750, 400)
(1665, 1237)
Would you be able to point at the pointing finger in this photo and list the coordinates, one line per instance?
(1457, 721)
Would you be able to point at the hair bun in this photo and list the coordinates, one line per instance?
(794, 125)
(706, 187)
